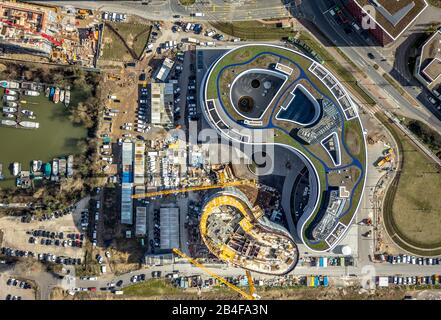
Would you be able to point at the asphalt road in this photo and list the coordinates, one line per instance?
(355, 47)
(165, 9)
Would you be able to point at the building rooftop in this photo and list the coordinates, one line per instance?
(430, 62)
(169, 218)
(394, 17)
(162, 103)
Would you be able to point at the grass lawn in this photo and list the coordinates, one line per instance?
(254, 30)
(135, 35)
(151, 288)
(435, 3)
(187, 2)
(412, 205)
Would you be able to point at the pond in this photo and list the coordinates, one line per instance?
(57, 136)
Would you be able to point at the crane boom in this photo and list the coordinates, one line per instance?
(250, 283)
(200, 266)
(195, 188)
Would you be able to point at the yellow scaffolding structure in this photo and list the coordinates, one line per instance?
(196, 188)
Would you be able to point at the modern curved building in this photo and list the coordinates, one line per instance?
(262, 94)
(238, 233)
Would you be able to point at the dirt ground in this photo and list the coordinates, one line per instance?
(25, 294)
(14, 234)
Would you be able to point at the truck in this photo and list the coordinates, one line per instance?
(191, 40)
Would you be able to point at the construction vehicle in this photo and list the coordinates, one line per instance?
(383, 161)
(249, 296)
(196, 188)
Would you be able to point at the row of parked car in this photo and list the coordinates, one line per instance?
(415, 280)
(141, 116)
(48, 216)
(17, 283)
(49, 257)
(113, 16)
(57, 242)
(413, 260)
(47, 234)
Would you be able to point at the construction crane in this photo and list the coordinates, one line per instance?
(249, 296)
(251, 283)
(196, 188)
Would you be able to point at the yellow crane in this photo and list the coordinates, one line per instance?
(249, 296)
(195, 188)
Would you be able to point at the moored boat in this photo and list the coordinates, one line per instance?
(32, 93)
(57, 95)
(30, 124)
(9, 123)
(11, 92)
(67, 98)
(1, 172)
(12, 104)
(27, 112)
(62, 167)
(9, 110)
(16, 168)
(62, 96)
(10, 115)
(9, 98)
(55, 167)
(70, 166)
(51, 93)
(47, 92)
(47, 169)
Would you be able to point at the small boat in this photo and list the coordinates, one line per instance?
(62, 96)
(9, 98)
(9, 84)
(57, 95)
(32, 117)
(51, 93)
(32, 93)
(36, 165)
(9, 123)
(11, 92)
(70, 166)
(47, 169)
(10, 116)
(67, 98)
(12, 104)
(1, 172)
(30, 124)
(47, 92)
(9, 110)
(27, 112)
(16, 168)
(62, 167)
(55, 167)
(13, 85)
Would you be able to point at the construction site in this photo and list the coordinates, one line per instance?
(239, 234)
(67, 37)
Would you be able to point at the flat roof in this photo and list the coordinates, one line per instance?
(394, 17)
(169, 233)
(430, 62)
(433, 69)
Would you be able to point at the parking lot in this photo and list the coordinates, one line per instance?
(17, 235)
(13, 288)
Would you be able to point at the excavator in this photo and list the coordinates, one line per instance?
(249, 296)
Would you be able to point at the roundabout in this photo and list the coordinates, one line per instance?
(266, 95)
